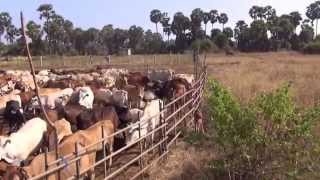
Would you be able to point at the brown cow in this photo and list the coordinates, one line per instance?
(90, 117)
(138, 79)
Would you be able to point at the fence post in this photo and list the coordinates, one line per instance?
(162, 145)
(104, 152)
(174, 120)
(78, 161)
(46, 167)
(140, 146)
(41, 63)
(154, 60)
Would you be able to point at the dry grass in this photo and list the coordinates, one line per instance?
(245, 74)
(250, 74)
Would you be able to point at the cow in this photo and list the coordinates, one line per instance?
(5, 99)
(37, 165)
(63, 128)
(120, 97)
(137, 79)
(90, 117)
(161, 75)
(149, 120)
(103, 97)
(135, 94)
(19, 145)
(14, 115)
(85, 97)
(188, 77)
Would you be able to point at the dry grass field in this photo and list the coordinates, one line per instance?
(245, 74)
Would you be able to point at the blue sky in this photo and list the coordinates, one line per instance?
(124, 13)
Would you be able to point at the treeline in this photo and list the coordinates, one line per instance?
(267, 32)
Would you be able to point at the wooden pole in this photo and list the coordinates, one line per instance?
(140, 146)
(32, 71)
(104, 153)
(78, 161)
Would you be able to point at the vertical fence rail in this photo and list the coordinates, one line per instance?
(173, 116)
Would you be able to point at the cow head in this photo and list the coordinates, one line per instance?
(86, 97)
(120, 97)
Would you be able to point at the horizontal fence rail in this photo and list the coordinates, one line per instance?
(174, 116)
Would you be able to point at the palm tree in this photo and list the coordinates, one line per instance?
(223, 19)
(47, 12)
(313, 13)
(12, 32)
(155, 17)
(5, 22)
(206, 19)
(213, 17)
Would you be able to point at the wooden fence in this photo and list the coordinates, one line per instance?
(174, 117)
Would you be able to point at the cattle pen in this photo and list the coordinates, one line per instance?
(175, 116)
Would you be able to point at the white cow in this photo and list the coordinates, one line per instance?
(18, 146)
(149, 120)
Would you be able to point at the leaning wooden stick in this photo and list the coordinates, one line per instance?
(32, 71)
(37, 88)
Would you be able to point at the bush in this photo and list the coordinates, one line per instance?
(268, 138)
(312, 48)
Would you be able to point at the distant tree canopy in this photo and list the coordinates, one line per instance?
(56, 35)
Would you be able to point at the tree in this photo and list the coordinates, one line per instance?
(35, 33)
(213, 17)
(5, 22)
(155, 17)
(152, 43)
(295, 18)
(313, 13)
(307, 33)
(165, 24)
(180, 25)
(135, 37)
(228, 32)
(206, 19)
(47, 12)
(242, 35)
(223, 19)
(196, 20)
(12, 33)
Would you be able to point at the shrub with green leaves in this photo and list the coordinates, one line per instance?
(268, 138)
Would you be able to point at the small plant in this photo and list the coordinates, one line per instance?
(268, 138)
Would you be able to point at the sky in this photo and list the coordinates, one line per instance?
(124, 13)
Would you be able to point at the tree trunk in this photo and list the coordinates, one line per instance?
(168, 37)
(316, 27)
(157, 27)
(205, 28)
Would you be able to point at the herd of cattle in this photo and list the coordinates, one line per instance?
(77, 104)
